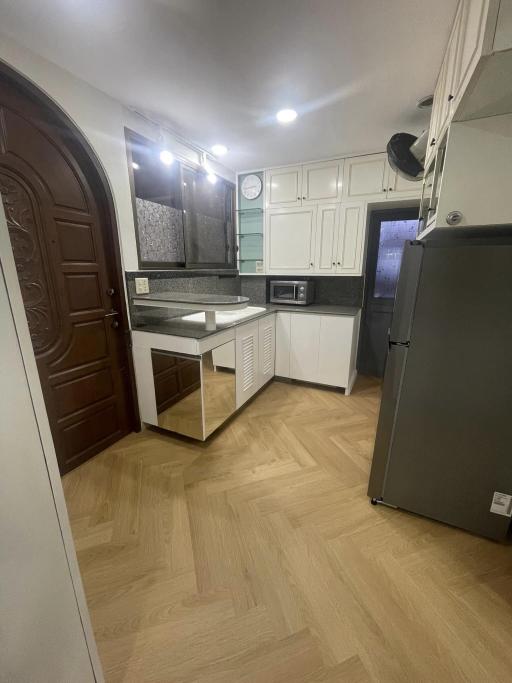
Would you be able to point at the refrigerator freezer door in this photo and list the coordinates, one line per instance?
(395, 366)
(452, 440)
(405, 298)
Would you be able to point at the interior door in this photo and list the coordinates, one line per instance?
(63, 243)
(388, 231)
(290, 240)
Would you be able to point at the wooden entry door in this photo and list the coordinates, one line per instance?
(63, 239)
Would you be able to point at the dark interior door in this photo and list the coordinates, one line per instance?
(388, 231)
(63, 244)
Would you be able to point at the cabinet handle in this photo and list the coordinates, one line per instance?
(432, 142)
(303, 197)
(298, 197)
(311, 264)
(334, 263)
(391, 189)
(450, 98)
(383, 189)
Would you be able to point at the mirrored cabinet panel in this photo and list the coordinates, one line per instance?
(194, 394)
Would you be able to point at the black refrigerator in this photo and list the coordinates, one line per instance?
(444, 439)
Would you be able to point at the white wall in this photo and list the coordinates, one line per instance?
(45, 634)
(102, 120)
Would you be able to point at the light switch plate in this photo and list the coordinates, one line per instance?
(141, 285)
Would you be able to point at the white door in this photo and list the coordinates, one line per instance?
(349, 259)
(304, 346)
(336, 333)
(326, 237)
(267, 348)
(365, 176)
(283, 322)
(247, 375)
(283, 187)
(290, 240)
(322, 182)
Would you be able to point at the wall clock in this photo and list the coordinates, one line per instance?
(251, 186)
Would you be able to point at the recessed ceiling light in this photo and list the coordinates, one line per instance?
(212, 178)
(166, 157)
(135, 165)
(219, 150)
(286, 115)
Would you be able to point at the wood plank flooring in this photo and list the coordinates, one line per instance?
(257, 558)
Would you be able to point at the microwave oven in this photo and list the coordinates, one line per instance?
(298, 292)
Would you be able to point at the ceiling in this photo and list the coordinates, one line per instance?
(218, 70)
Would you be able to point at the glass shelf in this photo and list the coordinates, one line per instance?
(249, 234)
(255, 211)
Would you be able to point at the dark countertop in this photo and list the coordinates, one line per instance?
(174, 324)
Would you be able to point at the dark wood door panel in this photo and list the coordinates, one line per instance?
(64, 245)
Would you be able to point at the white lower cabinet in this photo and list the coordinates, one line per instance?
(317, 348)
(255, 356)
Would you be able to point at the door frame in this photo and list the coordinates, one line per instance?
(105, 201)
(376, 217)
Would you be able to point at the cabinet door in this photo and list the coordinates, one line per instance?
(351, 239)
(322, 182)
(326, 237)
(400, 187)
(267, 348)
(365, 176)
(283, 187)
(304, 346)
(290, 240)
(336, 335)
(283, 338)
(472, 30)
(247, 375)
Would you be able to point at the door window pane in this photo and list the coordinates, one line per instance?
(393, 234)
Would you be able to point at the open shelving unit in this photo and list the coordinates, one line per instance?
(250, 216)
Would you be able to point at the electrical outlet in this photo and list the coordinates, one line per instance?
(141, 285)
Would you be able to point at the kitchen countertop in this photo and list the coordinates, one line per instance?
(175, 325)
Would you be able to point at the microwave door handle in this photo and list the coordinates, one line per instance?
(295, 293)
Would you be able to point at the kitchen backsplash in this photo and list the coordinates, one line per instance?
(340, 291)
(164, 281)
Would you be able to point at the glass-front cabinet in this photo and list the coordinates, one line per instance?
(184, 217)
(250, 217)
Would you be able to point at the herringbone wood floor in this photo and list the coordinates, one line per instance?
(257, 557)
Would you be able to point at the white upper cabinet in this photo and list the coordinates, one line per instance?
(322, 182)
(399, 187)
(365, 176)
(290, 240)
(283, 187)
(326, 238)
(349, 260)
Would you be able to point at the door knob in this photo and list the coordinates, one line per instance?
(111, 291)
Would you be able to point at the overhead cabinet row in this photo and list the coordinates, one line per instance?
(368, 177)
